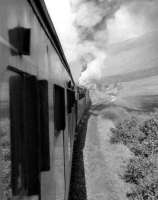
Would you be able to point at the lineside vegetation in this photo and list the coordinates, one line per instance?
(141, 137)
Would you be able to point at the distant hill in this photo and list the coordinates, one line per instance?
(142, 103)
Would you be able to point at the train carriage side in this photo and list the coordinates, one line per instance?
(36, 127)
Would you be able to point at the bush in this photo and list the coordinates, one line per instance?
(141, 137)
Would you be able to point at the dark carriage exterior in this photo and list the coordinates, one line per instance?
(38, 105)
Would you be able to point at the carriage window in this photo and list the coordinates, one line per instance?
(70, 100)
(59, 108)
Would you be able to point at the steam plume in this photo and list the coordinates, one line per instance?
(101, 23)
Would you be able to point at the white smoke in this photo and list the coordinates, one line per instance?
(93, 71)
(88, 32)
(101, 23)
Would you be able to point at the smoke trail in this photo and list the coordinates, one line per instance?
(92, 16)
(103, 22)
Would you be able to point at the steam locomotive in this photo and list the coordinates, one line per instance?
(40, 105)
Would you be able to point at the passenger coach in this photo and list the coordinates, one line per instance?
(38, 105)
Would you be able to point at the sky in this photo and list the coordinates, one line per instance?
(63, 18)
(108, 41)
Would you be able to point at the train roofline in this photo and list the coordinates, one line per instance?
(43, 16)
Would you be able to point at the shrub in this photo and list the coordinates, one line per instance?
(141, 137)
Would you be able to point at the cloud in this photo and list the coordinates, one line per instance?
(102, 23)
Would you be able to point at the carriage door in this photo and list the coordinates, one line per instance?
(24, 118)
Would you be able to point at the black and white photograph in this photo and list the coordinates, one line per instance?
(78, 99)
